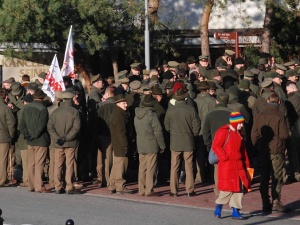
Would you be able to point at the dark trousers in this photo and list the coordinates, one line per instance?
(271, 165)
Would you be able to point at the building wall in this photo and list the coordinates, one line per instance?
(186, 14)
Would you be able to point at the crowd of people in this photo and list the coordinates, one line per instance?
(161, 122)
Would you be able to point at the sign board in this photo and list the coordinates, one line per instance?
(15, 67)
(225, 36)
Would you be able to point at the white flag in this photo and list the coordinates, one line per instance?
(54, 80)
(68, 65)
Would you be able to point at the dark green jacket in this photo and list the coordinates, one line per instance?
(218, 117)
(104, 112)
(7, 123)
(64, 122)
(119, 125)
(183, 124)
(34, 122)
(205, 103)
(148, 129)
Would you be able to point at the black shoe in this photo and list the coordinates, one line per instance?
(192, 194)
(267, 208)
(173, 195)
(112, 191)
(73, 192)
(154, 194)
(61, 191)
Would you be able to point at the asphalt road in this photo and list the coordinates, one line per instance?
(22, 207)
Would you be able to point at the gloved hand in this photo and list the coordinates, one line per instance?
(61, 141)
(28, 137)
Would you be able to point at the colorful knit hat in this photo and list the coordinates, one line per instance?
(236, 117)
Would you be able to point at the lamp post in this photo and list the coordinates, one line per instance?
(147, 44)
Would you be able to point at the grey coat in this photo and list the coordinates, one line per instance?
(148, 130)
(183, 124)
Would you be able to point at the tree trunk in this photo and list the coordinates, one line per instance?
(265, 38)
(113, 56)
(204, 27)
(153, 9)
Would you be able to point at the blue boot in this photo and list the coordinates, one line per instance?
(236, 214)
(218, 211)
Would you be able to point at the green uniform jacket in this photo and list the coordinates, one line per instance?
(205, 103)
(148, 129)
(64, 122)
(213, 121)
(7, 123)
(183, 124)
(34, 122)
(104, 112)
(119, 125)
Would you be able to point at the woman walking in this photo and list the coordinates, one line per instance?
(229, 146)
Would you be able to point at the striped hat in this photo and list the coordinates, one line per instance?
(236, 117)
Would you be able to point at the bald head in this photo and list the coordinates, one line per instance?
(291, 87)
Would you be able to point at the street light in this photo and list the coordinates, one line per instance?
(147, 44)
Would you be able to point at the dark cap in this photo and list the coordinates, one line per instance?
(239, 60)
(96, 78)
(291, 73)
(16, 88)
(42, 75)
(203, 85)
(223, 98)
(272, 75)
(191, 59)
(169, 85)
(148, 101)
(156, 90)
(28, 98)
(33, 86)
(212, 85)
(248, 73)
(215, 73)
(39, 94)
(244, 85)
(120, 98)
(180, 95)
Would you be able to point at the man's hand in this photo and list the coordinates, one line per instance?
(61, 141)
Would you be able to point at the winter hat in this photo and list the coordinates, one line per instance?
(236, 117)
(177, 86)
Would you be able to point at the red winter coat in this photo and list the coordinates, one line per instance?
(233, 160)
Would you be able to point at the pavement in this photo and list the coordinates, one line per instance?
(205, 198)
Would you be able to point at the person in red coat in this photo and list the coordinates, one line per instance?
(229, 146)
